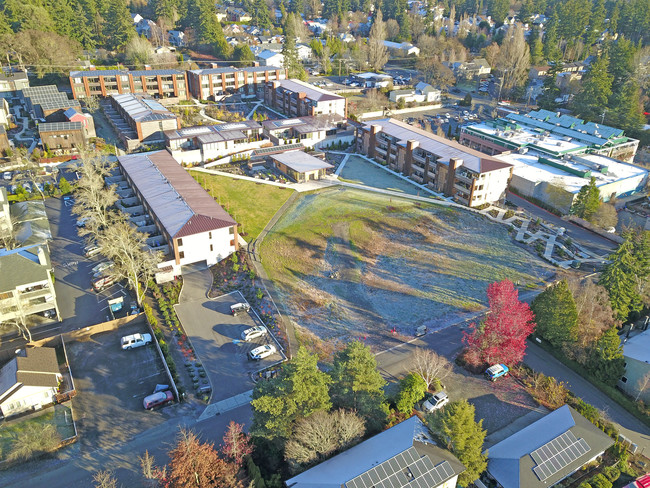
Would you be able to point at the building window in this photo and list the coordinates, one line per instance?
(232, 243)
(231, 230)
(211, 248)
(181, 255)
(209, 235)
(623, 379)
(179, 242)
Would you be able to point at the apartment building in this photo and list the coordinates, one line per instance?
(182, 220)
(12, 80)
(548, 133)
(64, 136)
(445, 166)
(296, 98)
(205, 143)
(315, 132)
(207, 83)
(47, 102)
(6, 224)
(26, 284)
(139, 119)
(157, 83)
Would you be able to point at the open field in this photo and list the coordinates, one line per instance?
(349, 263)
(251, 204)
(359, 170)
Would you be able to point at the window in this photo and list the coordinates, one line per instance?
(231, 230)
(211, 249)
(181, 255)
(209, 235)
(179, 242)
(623, 379)
(232, 243)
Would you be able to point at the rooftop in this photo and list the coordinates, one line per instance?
(300, 161)
(382, 460)
(638, 347)
(546, 451)
(305, 125)
(21, 266)
(113, 72)
(59, 126)
(178, 201)
(312, 92)
(444, 149)
(37, 367)
(219, 132)
(232, 69)
(142, 109)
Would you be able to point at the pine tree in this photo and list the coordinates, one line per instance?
(244, 54)
(556, 314)
(619, 279)
(550, 90)
(596, 23)
(260, 16)
(606, 360)
(464, 436)
(118, 28)
(220, 46)
(536, 46)
(587, 201)
(204, 21)
(551, 50)
(596, 90)
(626, 109)
(81, 28)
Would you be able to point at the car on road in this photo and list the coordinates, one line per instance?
(262, 352)
(135, 340)
(238, 308)
(157, 399)
(7, 175)
(435, 402)
(496, 371)
(254, 333)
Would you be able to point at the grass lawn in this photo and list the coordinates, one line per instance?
(350, 263)
(59, 415)
(251, 204)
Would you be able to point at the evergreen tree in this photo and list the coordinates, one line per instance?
(204, 21)
(536, 46)
(556, 314)
(499, 10)
(298, 391)
(626, 109)
(118, 28)
(5, 26)
(622, 65)
(244, 54)
(587, 201)
(260, 15)
(596, 90)
(296, 7)
(551, 50)
(619, 279)
(82, 28)
(220, 46)
(464, 436)
(606, 360)
(596, 23)
(413, 388)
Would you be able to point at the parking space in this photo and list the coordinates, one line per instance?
(111, 384)
(217, 338)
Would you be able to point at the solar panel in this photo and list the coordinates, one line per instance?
(558, 454)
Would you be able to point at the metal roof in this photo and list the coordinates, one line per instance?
(229, 131)
(306, 124)
(59, 126)
(312, 92)
(638, 347)
(300, 161)
(115, 72)
(142, 109)
(177, 200)
(232, 69)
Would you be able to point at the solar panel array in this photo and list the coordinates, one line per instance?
(59, 126)
(408, 468)
(558, 454)
(286, 147)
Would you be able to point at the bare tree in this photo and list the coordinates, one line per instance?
(91, 103)
(150, 472)
(377, 52)
(642, 385)
(606, 216)
(34, 439)
(430, 366)
(104, 479)
(513, 60)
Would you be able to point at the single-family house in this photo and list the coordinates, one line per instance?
(304, 52)
(177, 38)
(238, 15)
(29, 381)
(270, 58)
(547, 451)
(636, 380)
(403, 456)
(136, 18)
(402, 48)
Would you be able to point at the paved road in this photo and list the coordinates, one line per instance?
(588, 239)
(630, 426)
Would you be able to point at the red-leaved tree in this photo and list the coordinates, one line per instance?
(236, 444)
(501, 338)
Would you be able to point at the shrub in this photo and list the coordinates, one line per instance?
(259, 294)
(599, 481)
(412, 390)
(235, 267)
(612, 473)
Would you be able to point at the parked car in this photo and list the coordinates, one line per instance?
(435, 402)
(238, 308)
(49, 313)
(496, 371)
(254, 333)
(91, 249)
(157, 399)
(102, 282)
(82, 222)
(262, 352)
(135, 340)
(103, 266)
(7, 175)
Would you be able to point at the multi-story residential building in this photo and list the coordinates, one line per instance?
(208, 83)
(205, 143)
(64, 136)
(6, 225)
(182, 220)
(12, 80)
(550, 134)
(4, 140)
(47, 102)
(636, 351)
(157, 83)
(445, 166)
(316, 132)
(296, 98)
(26, 283)
(138, 119)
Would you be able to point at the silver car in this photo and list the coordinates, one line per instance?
(262, 352)
(254, 333)
(435, 402)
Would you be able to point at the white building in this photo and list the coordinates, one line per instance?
(304, 52)
(402, 48)
(270, 58)
(422, 93)
(636, 380)
(185, 222)
(29, 381)
(313, 132)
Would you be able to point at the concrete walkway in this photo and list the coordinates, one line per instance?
(226, 405)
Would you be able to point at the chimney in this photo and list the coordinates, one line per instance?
(372, 139)
(92, 67)
(42, 259)
(454, 163)
(411, 144)
(147, 67)
(256, 64)
(214, 65)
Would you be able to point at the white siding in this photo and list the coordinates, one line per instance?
(27, 398)
(196, 248)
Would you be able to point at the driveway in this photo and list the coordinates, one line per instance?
(629, 426)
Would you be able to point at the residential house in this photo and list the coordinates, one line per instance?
(137, 18)
(445, 166)
(26, 283)
(62, 137)
(29, 381)
(312, 131)
(238, 15)
(6, 224)
(304, 52)
(138, 119)
(206, 143)
(636, 380)
(422, 93)
(146, 28)
(296, 98)
(12, 80)
(402, 49)
(270, 58)
(5, 113)
(182, 220)
(177, 38)
(30, 224)
(86, 120)
(470, 70)
(538, 72)
(404, 455)
(47, 102)
(208, 83)
(300, 166)
(221, 13)
(5, 143)
(547, 451)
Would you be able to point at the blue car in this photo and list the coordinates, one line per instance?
(496, 371)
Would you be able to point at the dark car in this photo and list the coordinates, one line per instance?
(157, 399)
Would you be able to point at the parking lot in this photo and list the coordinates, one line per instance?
(111, 384)
(216, 337)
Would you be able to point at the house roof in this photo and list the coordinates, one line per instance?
(214, 133)
(300, 161)
(443, 148)
(177, 200)
(307, 124)
(267, 54)
(546, 451)
(21, 266)
(385, 457)
(142, 109)
(638, 347)
(59, 127)
(312, 92)
(38, 367)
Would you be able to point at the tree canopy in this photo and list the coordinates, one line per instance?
(556, 314)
